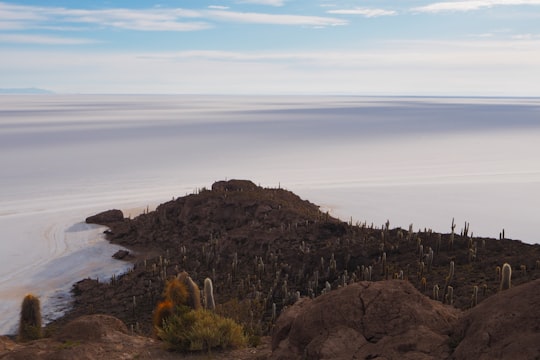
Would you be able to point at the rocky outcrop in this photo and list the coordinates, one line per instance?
(505, 326)
(366, 320)
(96, 337)
(87, 338)
(91, 328)
(106, 217)
(234, 185)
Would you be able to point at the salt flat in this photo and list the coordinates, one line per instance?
(408, 160)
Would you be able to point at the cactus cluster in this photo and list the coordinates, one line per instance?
(179, 292)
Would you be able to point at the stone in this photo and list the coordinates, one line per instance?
(386, 319)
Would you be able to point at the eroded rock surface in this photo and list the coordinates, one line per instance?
(366, 320)
(505, 326)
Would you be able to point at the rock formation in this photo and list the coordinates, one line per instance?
(504, 326)
(365, 320)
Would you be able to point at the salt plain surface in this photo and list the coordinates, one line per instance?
(409, 160)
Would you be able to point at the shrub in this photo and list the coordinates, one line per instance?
(196, 330)
(249, 313)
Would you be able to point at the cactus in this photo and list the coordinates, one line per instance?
(448, 280)
(163, 311)
(450, 295)
(506, 277)
(176, 291)
(429, 259)
(327, 287)
(435, 292)
(466, 230)
(209, 295)
(194, 294)
(332, 267)
(474, 299)
(30, 320)
(450, 272)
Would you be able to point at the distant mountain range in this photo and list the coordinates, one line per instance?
(25, 91)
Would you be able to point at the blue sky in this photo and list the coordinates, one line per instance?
(385, 47)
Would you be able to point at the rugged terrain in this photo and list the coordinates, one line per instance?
(266, 248)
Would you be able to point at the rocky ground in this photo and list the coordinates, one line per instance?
(266, 248)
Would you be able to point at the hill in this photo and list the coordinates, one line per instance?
(264, 248)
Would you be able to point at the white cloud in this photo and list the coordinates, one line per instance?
(525, 36)
(42, 40)
(262, 2)
(483, 35)
(10, 12)
(275, 19)
(363, 11)
(16, 17)
(158, 19)
(12, 25)
(470, 5)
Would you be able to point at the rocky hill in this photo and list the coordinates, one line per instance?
(265, 249)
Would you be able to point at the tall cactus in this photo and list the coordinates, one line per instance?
(450, 296)
(30, 320)
(474, 298)
(194, 294)
(436, 292)
(176, 291)
(209, 294)
(448, 280)
(506, 277)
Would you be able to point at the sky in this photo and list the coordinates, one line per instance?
(383, 47)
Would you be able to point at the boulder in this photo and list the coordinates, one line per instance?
(234, 185)
(106, 217)
(120, 254)
(504, 326)
(91, 328)
(365, 320)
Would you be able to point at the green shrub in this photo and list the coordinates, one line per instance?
(249, 313)
(196, 330)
